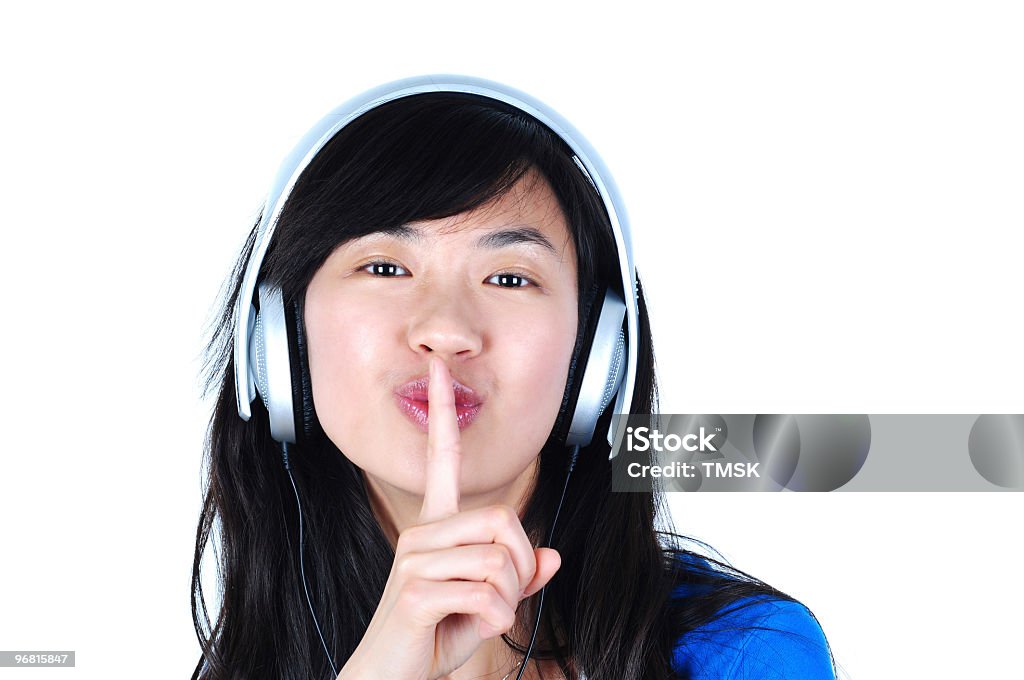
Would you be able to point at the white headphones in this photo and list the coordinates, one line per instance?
(264, 363)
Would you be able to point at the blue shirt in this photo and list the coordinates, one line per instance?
(786, 643)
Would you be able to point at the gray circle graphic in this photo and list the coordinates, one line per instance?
(812, 452)
(996, 447)
(686, 423)
(689, 484)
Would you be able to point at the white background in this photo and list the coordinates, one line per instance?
(827, 212)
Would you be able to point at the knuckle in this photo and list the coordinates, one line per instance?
(503, 516)
(500, 614)
(508, 618)
(404, 566)
(446, 448)
(407, 539)
(412, 596)
(496, 558)
(483, 596)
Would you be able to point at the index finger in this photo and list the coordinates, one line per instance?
(444, 448)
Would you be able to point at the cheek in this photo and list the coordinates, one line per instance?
(343, 342)
(538, 365)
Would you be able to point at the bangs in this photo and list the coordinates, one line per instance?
(426, 157)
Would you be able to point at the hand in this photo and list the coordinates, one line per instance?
(457, 577)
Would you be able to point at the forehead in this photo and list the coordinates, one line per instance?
(530, 200)
(527, 216)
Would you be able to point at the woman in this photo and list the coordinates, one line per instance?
(438, 271)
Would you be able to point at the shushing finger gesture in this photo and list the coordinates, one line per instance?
(458, 576)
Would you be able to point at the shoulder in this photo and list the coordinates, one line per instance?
(758, 637)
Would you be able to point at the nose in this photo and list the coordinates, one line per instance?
(446, 327)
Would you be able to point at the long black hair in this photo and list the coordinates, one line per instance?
(608, 612)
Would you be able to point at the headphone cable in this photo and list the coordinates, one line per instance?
(302, 565)
(551, 537)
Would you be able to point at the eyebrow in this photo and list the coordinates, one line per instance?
(503, 238)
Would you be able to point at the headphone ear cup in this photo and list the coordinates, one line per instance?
(596, 368)
(258, 360)
(604, 369)
(269, 359)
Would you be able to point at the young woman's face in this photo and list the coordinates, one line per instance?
(493, 293)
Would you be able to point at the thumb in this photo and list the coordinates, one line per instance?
(548, 563)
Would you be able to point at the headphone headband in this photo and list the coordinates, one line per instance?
(314, 140)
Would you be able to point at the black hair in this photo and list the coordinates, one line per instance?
(608, 612)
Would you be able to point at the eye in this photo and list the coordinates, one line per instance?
(511, 280)
(383, 268)
(387, 269)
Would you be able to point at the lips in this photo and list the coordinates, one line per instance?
(413, 400)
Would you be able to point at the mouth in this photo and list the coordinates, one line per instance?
(413, 401)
